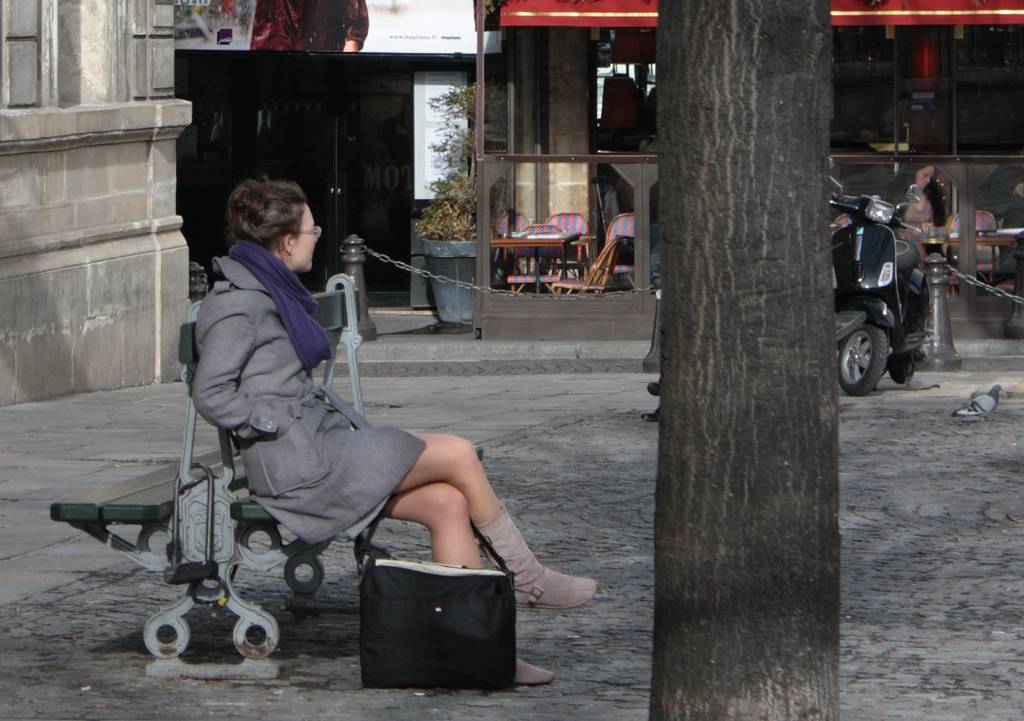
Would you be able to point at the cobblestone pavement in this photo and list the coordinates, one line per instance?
(931, 604)
(569, 454)
(931, 512)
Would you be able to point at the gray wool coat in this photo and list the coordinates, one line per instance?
(311, 460)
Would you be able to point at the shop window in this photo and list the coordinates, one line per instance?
(496, 107)
(990, 89)
(551, 224)
(890, 181)
(935, 227)
(862, 66)
(999, 208)
(625, 102)
(924, 88)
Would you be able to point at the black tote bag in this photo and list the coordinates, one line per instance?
(428, 625)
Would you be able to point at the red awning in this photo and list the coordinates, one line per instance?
(595, 13)
(928, 12)
(644, 13)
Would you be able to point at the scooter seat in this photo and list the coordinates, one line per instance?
(907, 256)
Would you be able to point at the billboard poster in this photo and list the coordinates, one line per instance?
(431, 27)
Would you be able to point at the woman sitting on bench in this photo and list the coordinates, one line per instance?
(312, 462)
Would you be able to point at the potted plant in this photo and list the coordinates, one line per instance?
(447, 225)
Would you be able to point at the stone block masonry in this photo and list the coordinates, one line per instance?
(93, 265)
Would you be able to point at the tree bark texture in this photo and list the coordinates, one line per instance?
(747, 544)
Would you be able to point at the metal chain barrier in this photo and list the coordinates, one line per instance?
(384, 258)
(496, 291)
(971, 280)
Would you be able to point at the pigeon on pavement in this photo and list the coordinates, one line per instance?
(981, 404)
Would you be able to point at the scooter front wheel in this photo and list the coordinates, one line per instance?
(862, 357)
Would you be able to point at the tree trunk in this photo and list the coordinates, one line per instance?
(747, 545)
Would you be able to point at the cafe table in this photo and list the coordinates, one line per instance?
(535, 241)
(933, 240)
(990, 239)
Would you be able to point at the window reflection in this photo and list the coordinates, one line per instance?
(999, 209)
(990, 89)
(626, 99)
(862, 66)
(924, 106)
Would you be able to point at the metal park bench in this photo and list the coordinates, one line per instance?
(213, 527)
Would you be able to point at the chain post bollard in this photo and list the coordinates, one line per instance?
(1014, 325)
(939, 352)
(353, 257)
(652, 361)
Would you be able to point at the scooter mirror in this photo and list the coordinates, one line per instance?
(839, 186)
(914, 193)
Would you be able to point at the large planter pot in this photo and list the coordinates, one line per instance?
(453, 259)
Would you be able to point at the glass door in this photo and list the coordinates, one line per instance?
(296, 137)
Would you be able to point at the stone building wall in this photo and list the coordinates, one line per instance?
(93, 265)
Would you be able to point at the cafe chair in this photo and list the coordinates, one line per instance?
(502, 229)
(605, 265)
(984, 222)
(624, 229)
(573, 223)
(541, 265)
(598, 275)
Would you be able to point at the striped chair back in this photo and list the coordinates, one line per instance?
(622, 227)
(501, 226)
(984, 222)
(567, 222)
(563, 223)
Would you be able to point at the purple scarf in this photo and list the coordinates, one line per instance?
(294, 303)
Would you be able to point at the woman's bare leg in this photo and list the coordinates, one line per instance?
(452, 460)
(445, 512)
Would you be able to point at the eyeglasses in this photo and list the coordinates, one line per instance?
(317, 230)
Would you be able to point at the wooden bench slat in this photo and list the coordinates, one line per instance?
(330, 311)
(135, 500)
(86, 507)
(151, 504)
(250, 511)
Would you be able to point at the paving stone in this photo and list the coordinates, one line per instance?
(932, 594)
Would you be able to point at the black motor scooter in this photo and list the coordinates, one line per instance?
(883, 276)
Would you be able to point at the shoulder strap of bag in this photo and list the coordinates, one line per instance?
(489, 550)
(364, 547)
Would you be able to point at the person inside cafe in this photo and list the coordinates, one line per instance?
(930, 210)
(1013, 216)
(313, 462)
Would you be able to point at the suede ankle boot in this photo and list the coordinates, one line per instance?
(535, 585)
(530, 675)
